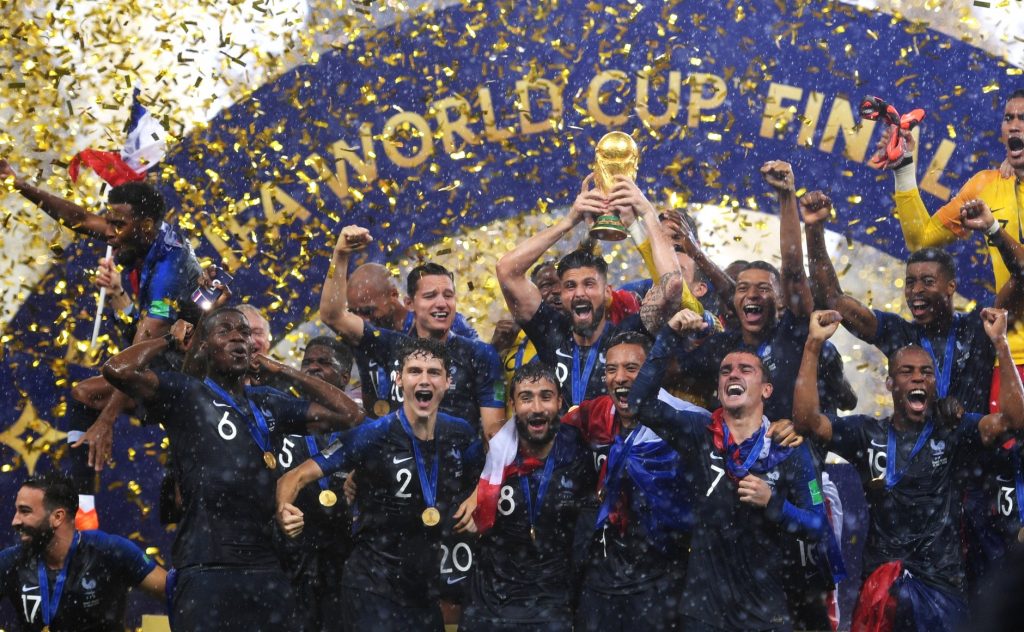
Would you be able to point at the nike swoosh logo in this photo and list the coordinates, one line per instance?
(220, 405)
(558, 352)
(877, 445)
(1003, 479)
(25, 588)
(455, 580)
(397, 460)
(715, 456)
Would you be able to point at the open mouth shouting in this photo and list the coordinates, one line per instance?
(423, 395)
(621, 396)
(919, 308)
(917, 400)
(582, 311)
(734, 390)
(1015, 147)
(753, 314)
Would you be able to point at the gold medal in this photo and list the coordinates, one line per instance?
(431, 516)
(600, 495)
(46, 628)
(381, 407)
(571, 408)
(328, 498)
(1020, 535)
(533, 533)
(270, 460)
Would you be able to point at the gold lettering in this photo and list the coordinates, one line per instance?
(675, 80)
(448, 128)
(856, 135)
(397, 132)
(777, 116)
(274, 218)
(698, 101)
(491, 130)
(931, 183)
(805, 138)
(365, 166)
(594, 98)
(527, 122)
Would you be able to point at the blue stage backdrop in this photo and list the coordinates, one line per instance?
(479, 113)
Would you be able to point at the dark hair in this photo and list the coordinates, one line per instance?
(426, 347)
(203, 328)
(59, 491)
(763, 265)
(537, 269)
(531, 372)
(765, 372)
(935, 255)
(1016, 94)
(422, 270)
(145, 200)
(341, 351)
(631, 337)
(581, 258)
(891, 358)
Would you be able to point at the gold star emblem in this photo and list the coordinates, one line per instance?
(30, 437)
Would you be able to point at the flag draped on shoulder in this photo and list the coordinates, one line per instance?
(145, 146)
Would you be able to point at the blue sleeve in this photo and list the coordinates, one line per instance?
(351, 448)
(969, 436)
(172, 389)
(8, 558)
(166, 287)
(678, 427)
(462, 327)
(848, 438)
(490, 379)
(892, 332)
(803, 512)
(379, 344)
(640, 287)
(128, 560)
(545, 330)
(474, 458)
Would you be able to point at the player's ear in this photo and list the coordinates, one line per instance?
(766, 390)
(889, 384)
(57, 517)
(408, 302)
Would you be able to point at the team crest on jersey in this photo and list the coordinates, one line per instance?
(938, 448)
(456, 455)
(772, 477)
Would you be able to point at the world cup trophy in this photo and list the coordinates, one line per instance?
(616, 155)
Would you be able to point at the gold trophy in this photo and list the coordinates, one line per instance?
(616, 155)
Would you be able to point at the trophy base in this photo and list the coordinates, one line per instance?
(608, 228)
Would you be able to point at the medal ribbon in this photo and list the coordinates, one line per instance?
(255, 421)
(532, 508)
(740, 471)
(50, 604)
(945, 374)
(427, 486)
(580, 379)
(613, 474)
(892, 473)
(313, 451)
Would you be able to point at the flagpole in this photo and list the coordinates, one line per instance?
(99, 306)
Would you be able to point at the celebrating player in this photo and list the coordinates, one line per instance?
(414, 467)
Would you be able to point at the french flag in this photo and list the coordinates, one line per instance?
(501, 455)
(145, 146)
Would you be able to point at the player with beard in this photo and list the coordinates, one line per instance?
(415, 465)
(315, 559)
(478, 390)
(221, 437)
(752, 497)
(60, 578)
(576, 342)
(913, 563)
(536, 479)
(1000, 190)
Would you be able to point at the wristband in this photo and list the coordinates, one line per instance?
(993, 229)
(637, 231)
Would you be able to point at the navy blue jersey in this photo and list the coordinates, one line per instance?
(460, 326)
(918, 520)
(781, 354)
(476, 378)
(735, 572)
(550, 331)
(227, 492)
(521, 580)
(973, 355)
(102, 570)
(326, 528)
(164, 283)
(394, 554)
